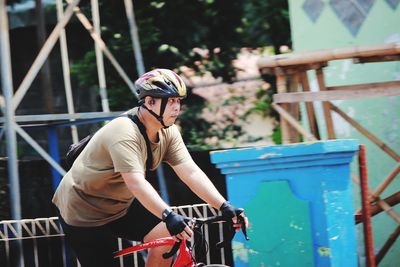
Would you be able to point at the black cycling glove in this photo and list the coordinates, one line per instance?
(229, 211)
(175, 223)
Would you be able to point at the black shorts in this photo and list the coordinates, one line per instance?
(94, 246)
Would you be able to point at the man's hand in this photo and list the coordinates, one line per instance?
(231, 212)
(177, 226)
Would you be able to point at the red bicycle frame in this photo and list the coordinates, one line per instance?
(184, 258)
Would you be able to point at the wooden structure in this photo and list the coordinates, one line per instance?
(291, 75)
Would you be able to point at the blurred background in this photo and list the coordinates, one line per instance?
(216, 46)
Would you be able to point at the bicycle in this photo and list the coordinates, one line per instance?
(185, 256)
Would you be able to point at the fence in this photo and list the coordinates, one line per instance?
(40, 242)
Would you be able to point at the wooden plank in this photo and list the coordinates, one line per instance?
(365, 132)
(366, 209)
(312, 120)
(388, 244)
(325, 105)
(294, 108)
(334, 95)
(303, 58)
(383, 185)
(289, 118)
(293, 69)
(391, 201)
(383, 85)
(282, 88)
(372, 59)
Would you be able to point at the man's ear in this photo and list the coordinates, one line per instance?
(150, 101)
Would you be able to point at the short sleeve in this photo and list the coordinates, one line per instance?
(177, 152)
(127, 156)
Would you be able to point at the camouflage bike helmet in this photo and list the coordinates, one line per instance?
(159, 83)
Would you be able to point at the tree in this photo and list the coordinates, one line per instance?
(173, 32)
(266, 22)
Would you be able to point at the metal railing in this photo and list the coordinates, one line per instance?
(40, 242)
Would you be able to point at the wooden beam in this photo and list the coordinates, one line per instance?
(383, 85)
(366, 133)
(325, 105)
(380, 204)
(312, 120)
(294, 108)
(381, 187)
(366, 208)
(293, 69)
(325, 55)
(387, 245)
(282, 88)
(287, 117)
(392, 200)
(376, 59)
(388, 209)
(334, 95)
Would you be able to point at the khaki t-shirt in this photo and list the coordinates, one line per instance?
(93, 192)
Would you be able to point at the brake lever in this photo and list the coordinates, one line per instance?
(173, 251)
(243, 226)
(226, 242)
(232, 230)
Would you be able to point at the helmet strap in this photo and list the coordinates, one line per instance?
(160, 117)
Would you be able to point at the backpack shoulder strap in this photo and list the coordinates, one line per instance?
(142, 129)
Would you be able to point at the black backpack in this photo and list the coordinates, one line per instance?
(75, 149)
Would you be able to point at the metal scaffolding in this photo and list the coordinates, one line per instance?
(10, 100)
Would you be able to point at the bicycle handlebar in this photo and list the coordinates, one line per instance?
(198, 222)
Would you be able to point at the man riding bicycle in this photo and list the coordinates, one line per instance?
(105, 194)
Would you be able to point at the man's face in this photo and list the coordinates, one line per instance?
(171, 110)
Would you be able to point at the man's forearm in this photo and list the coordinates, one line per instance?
(205, 189)
(199, 183)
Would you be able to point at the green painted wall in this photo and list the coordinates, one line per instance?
(288, 234)
(380, 115)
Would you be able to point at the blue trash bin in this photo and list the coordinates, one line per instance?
(298, 198)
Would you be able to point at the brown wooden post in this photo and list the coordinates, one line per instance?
(325, 104)
(312, 120)
(281, 88)
(366, 208)
(391, 201)
(294, 109)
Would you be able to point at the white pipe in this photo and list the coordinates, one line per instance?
(43, 54)
(7, 88)
(86, 23)
(99, 57)
(66, 72)
(130, 13)
(12, 161)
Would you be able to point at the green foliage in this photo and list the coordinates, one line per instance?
(196, 127)
(277, 135)
(86, 70)
(170, 32)
(266, 22)
(262, 105)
